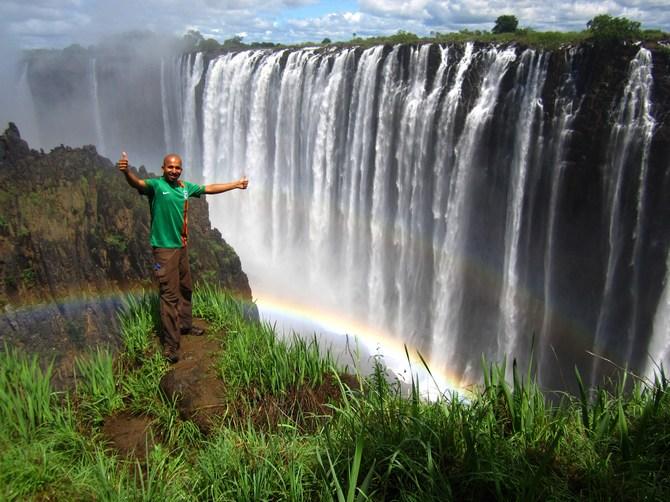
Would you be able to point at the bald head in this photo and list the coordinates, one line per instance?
(171, 159)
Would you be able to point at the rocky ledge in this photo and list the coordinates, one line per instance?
(74, 237)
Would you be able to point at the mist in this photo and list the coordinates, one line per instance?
(15, 102)
(103, 95)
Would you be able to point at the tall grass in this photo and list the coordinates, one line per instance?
(139, 318)
(248, 464)
(26, 397)
(505, 442)
(97, 385)
(253, 356)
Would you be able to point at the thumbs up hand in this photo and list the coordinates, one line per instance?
(122, 164)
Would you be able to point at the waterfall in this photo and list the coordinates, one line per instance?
(444, 164)
(659, 348)
(165, 110)
(368, 222)
(190, 141)
(354, 203)
(95, 102)
(629, 152)
(562, 127)
(459, 203)
(511, 305)
(373, 197)
(463, 199)
(24, 103)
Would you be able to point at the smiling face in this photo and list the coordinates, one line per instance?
(172, 168)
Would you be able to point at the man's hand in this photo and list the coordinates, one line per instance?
(215, 188)
(132, 180)
(122, 164)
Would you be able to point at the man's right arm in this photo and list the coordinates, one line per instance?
(132, 180)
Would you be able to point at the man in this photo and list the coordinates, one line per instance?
(168, 199)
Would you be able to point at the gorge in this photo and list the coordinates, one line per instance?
(464, 199)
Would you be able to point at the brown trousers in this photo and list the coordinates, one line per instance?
(172, 271)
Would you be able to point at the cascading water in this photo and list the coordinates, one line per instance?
(627, 165)
(659, 348)
(24, 102)
(194, 69)
(512, 304)
(463, 199)
(562, 128)
(95, 106)
(373, 184)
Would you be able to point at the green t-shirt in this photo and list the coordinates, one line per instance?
(169, 216)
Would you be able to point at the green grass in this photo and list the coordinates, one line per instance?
(248, 464)
(506, 441)
(97, 389)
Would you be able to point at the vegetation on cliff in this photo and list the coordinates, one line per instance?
(368, 441)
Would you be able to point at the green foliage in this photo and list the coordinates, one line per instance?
(26, 397)
(403, 37)
(233, 43)
(117, 242)
(96, 385)
(526, 36)
(28, 277)
(326, 41)
(355, 492)
(254, 465)
(505, 24)
(605, 28)
(254, 357)
(208, 45)
(400, 37)
(504, 441)
(139, 317)
(192, 39)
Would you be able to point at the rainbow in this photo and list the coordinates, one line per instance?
(434, 384)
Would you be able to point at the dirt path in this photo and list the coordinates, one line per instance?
(194, 385)
(200, 395)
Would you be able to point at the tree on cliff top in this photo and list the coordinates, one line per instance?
(605, 28)
(505, 24)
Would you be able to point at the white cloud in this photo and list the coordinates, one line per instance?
(407, 9)
(62, 22)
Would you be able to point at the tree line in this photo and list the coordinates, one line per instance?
(602, 29)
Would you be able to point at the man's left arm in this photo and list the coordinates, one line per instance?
(215, 188)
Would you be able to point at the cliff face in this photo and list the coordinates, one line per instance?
(73, 236)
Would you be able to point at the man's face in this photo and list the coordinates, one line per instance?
(172, 168)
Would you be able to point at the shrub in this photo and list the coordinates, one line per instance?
(505, 24)
(605, 28)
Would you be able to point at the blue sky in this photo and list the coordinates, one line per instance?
(58, 23)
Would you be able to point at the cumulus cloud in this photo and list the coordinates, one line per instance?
(404, 9)
(56, 23)
(542, 14)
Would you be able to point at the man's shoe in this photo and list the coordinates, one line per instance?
(194, 331)
(171, 355)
